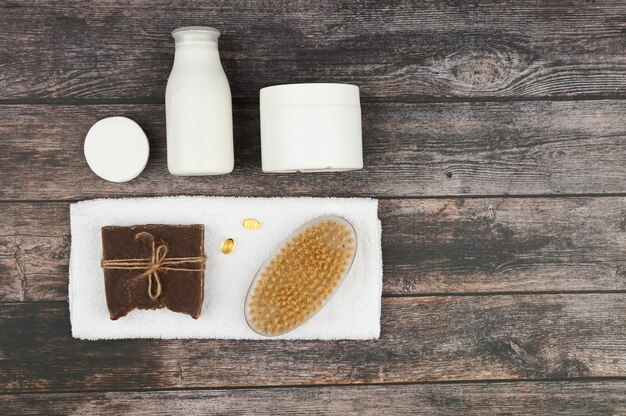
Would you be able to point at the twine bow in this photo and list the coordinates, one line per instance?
(157, 262)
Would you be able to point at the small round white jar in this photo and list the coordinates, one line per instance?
(116, 149)
(311, 128)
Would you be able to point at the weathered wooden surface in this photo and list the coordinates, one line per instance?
(422, 339)
(465, 104)
(523, 398)
(429, 246)
(410, 150)
(408, 49)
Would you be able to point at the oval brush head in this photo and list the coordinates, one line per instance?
(297, 281)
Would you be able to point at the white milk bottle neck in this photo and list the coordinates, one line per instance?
(196, 48)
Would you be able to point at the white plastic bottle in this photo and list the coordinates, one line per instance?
(198, 106)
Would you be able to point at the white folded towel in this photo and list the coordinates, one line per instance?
(352, 313)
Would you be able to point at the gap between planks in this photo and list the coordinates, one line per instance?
(416, 295)
(317, 386)
(364, 100)
(380, 197)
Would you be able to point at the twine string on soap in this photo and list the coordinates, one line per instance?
(157, 262)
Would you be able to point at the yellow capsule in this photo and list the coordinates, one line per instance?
(228, 246)
(251, 224)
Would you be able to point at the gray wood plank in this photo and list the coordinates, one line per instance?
(409, 150)
(414, 50)
(422, 339)
(520, 398)
(504, 245)
(429, 246)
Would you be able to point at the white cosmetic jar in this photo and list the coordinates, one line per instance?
(311, 128)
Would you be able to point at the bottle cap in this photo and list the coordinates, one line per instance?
(116, 149)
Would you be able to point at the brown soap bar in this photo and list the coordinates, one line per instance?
(181, 290)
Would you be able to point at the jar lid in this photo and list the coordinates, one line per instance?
(116, 149)
(309, 94)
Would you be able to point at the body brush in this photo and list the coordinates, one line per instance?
(301, 276)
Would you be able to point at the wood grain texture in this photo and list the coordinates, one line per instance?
(422, 339)
(34, 252)
(416, 63)
(522, 398)
(429, 246)
(492, 245)
(409, 49)
(409, 150)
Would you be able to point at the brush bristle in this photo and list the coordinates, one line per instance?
(301, 277)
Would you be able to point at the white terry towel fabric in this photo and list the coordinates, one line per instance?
(352, 313)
